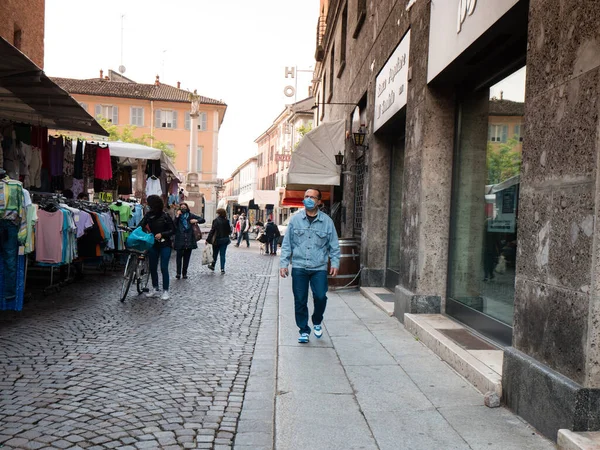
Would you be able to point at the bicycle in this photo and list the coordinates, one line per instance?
(137, 269)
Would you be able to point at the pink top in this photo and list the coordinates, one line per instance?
(48, 237)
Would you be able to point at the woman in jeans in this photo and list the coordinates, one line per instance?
(162, 227)
(220, 231)
(184, 238)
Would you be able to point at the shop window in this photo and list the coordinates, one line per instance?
(483, 246)
(137, 116)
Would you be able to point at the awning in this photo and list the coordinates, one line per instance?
(27, 95)
(294, 198)
(128, 152)
(260, 198)
(313, 161)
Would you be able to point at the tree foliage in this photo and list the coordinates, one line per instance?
(503, 161)
(302, 130)
(125, 134)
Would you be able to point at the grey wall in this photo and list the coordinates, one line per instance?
(557, 288)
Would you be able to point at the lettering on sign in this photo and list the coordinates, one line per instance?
(290, 72)
(283, 158)
(465, 8)
(391, 84)
(289, 91)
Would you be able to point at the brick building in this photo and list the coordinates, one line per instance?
(22, 25)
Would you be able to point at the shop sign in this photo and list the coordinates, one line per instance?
(391, 84)
(456, 24)
(283, 157)
(505, 220)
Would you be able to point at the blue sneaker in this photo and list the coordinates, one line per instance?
(303, 338)
(318, 331)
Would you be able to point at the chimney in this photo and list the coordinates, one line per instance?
(501, 95)
(106, 78)
(179, 85)
(101, 74)
(157, 82)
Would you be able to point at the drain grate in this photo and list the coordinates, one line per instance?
(467, 340)
(387, 297)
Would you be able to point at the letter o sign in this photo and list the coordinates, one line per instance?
(289, 91)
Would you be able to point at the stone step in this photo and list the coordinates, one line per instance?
(475, 359)
(381, 297)
(585, 440)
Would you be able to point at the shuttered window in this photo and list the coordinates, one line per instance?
(165, 118)
(108, 112)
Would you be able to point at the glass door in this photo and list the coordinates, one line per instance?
(483, 246)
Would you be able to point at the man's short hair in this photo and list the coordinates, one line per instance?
(320, 195)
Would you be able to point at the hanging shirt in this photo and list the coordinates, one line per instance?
(103, 166)
(49, 237)
(57, 155)
(124, 210)
(12, 206)
(153, 187)
(32, 218)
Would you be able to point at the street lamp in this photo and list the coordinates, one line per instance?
(359, 137)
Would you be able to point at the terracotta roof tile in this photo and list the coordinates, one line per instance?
(107, 88)
(506, 108)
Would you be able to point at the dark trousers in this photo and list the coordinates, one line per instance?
(301, 279)
(243, 236)
(220, 249)
(272, 245)
(9, 250)
(163, 254)
(489, 264)
(183, 255)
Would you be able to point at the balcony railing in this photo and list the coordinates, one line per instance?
(321, 28)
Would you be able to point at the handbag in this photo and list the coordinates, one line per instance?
(501, 267)
(140, 240)
(207, 255)
(197, 232)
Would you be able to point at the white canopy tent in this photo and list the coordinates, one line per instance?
(129, 152)
(313, 161)
(260, 198)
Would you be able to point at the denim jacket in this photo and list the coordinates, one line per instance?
(308, 245)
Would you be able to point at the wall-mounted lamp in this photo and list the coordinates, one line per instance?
(359, 137)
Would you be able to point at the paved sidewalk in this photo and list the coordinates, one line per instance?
(366, 384)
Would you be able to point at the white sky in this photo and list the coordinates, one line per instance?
(230, 50)
(512, 87)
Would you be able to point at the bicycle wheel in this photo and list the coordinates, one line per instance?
(128, 276)
(143, 276)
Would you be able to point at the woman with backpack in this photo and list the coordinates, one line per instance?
(162, 227)
(219, 238)
(185, 240)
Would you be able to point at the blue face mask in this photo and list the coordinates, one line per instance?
(309, 203)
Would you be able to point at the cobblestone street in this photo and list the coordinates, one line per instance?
(80, 369)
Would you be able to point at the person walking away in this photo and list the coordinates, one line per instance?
(272, 233)
(219, 234)
(184, 238)
(163, 229)
(244, 228)
(310, 240)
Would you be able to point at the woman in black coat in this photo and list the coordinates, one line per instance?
(219, 238)
(161, 226)
(184, 238)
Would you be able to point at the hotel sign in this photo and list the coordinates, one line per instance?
(283, 157)
(390, 94)
(455, 24)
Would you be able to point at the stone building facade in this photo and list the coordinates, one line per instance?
(22, 25)
(493, 226)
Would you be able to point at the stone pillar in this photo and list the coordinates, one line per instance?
(552, 374)
(193, 150)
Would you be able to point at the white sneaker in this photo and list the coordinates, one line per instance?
(153, 293)
(165, 295)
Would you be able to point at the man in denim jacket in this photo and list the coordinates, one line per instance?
(310, 240)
